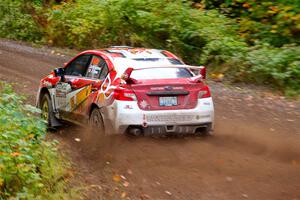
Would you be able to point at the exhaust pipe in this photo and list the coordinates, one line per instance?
(135, 131)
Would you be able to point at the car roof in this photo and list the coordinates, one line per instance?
(135, 57)
(136, 52)
(124, 57)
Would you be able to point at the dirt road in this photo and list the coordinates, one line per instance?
(255, 153)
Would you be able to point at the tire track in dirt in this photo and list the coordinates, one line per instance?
(255, 153)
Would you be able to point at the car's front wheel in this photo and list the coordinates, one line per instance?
(46, 108)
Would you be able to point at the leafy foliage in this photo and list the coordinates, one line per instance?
(250, 40)
(30, 167)
(16, 21)
(275, 22)
(137, 23)
(280, 66)
(261, 64)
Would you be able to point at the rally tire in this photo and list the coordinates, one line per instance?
(46, 108)
(96, 120)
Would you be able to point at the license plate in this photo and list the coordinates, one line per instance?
(168, 101)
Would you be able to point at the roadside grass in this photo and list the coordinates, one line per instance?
(30, 165)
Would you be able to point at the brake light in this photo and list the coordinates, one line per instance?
(204, 92)
(123, 94)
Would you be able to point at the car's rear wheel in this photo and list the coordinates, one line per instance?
(46, 108)
(96, 120)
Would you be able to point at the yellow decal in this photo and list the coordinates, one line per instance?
(101, 98)
(72, 103)
(83, 94)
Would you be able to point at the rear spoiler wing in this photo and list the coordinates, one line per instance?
(202, 70)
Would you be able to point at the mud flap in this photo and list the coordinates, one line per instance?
(54, 121)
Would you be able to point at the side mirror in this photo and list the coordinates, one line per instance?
(60, 72)
(202, 72)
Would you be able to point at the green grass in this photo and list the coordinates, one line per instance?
(30, 165)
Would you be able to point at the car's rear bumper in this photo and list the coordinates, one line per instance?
(171, 129)
(122, 114)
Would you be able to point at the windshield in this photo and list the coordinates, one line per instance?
(161, 73)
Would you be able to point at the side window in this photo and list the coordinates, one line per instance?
(97, 69)
(78, 66)
(104, 72)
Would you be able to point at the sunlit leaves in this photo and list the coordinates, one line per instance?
(260, 17)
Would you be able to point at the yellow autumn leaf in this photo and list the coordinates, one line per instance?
(123, 195)
(213, 75)
(296, 17)
(220, 75)
(117, 178)
(271, 12)
(246, 5)
(274, 9)
(15, 154)
(1, 182)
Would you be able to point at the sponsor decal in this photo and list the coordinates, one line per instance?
(72, 102)
(168, 87)
(83, 94)
(128, 107)
(68, 100)
(170, 118)
(47, 84)
(143, 104)
(62, 89)
(144, 124)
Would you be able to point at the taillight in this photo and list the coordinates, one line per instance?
(204, 92)
(123, 94)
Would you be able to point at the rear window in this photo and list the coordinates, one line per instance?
(161, 73)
